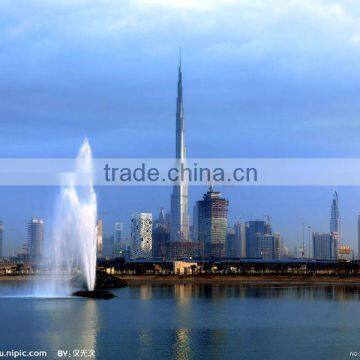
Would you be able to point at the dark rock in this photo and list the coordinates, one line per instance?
(95, 294)
(103, 281)
(108, 281)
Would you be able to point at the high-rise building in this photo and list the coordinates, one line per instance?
(254, 230)
(160, 236)
(119, 234)
(335, 222)
(179, 198)
(359, 237)
(261, 242)
(108, 247)
(141, 236)
(211, 221)
(235, 241)
(230, 247)
(160, 233)
(240, 239)
(161, 220)
(324, 246)
(99, 239)
(1, 239)
(35, 239)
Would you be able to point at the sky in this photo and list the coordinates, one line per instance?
(262, 78)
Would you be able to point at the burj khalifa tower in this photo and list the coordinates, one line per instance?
(179, 198)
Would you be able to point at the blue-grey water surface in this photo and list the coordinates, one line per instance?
(203, 321)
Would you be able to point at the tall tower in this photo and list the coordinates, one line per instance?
(35, 239)
(335, 222)
(179, 198)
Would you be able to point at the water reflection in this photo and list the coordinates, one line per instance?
(83, 322)
(183, 293)
(190, 321)
(181, 348)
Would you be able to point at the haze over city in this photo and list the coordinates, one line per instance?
(262, 85)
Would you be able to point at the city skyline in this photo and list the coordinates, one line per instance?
(251, 89)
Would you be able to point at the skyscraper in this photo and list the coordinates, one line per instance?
(324, 246)
(118, 234)
(335, 222)
(240, 239)
(254, 230)
(35, 239)
(141, 236)
(179, 198)
(235, 241)
(1, 239)
(261, 242)
(211, 222)
(160, 233)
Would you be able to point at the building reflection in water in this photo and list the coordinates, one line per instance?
(181, 348)
(185, 293)
(145, 292)
(71, 330)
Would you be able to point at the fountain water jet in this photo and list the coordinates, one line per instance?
(75, 229)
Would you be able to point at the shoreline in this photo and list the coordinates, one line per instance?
(213, 279)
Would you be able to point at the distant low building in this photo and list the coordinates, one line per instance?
(345, 252)
(184, 267)
(179, 250)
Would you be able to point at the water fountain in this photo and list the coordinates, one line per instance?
(73, 245)
(74, 242)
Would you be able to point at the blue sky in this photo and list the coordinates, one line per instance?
(262, 78)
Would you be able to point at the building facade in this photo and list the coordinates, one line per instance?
(211, 221)
(141, 236)
(36, 234)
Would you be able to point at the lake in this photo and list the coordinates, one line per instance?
(192, 321)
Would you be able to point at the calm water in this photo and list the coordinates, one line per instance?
(188, 322)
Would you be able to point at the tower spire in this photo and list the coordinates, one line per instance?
(179, 197)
